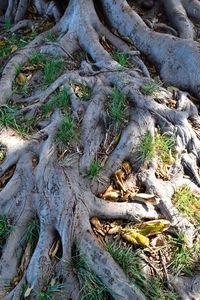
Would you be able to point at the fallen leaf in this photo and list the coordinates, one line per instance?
(114, 230)
(111, 194)
(21, 79)
(146, 198)
(157, 242)
(2, 43)
(134, 237)
(153, 227)
(28, 291)
(119, 175)
(25, 258)
(14, 48)
(54, 248)
(126, 166)
(96, 223)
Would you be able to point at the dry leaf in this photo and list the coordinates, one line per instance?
(114, 230)
(14, 48)
(54, 248)
(28, 291)
(153, 227)
(157, 242)
(21, 79)
(111, 194)
(134, 237)
(96, 223)
(25, 258)
(126, 167)
(2, 43)
(146, 198)
(119, 175)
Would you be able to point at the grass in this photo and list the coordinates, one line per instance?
(50, 37)
(60, 100)
(31, 232)
(146, 149)
(189, 203)
(52, 290)
(5, 229)
(7, 24)
(52, 70)
(8, 119)
(94, 169)
(132, 265)
(182, 259)
(91, 285)
(117, 108)
(14, 40)
(162, 147)
(66, 133)
(86, 92)
(122, 58)
(152, 88)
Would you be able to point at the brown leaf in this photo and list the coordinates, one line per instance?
(54, 248)
(126, 166)
(14, 48)
(21, 79)
(25, 258)
(96, 223)
(111, 194)
(114, 230)
(119, 175)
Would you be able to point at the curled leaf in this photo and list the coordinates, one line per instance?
(25, 258)
(21, 79)
(54, 248)
(114, 230)
(134, 237)
(119, 175)
(111, 194)
(153, 227)
(146, 198)
(126, 166)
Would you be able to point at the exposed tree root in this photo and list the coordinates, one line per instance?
(62, 195)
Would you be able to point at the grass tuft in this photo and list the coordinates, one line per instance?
(31, 232)
(91, 285)
(146, 149)
(117, 108)
(188, 202)
(67, 131)
(151, 88)
(94, 169)
(5, 229)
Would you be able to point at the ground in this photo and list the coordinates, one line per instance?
(99, 149)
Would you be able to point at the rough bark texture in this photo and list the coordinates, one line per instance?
(60, 195)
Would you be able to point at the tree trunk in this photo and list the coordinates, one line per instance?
(55, 188)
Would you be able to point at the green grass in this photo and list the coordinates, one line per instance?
(50, 37)
(52, 290)
(122, 58)
(18, 123)
(94, 169)
(164, 147)
(67, 133)
(31, 232)
(151, 88)
(7, 24)
(52, 70)
(60, 99)
(15, 39)
(117, 108)
(189, 203)
(37, 58)
(91, 285)
(132, 265)
(146, 149)
(5, 229)
(86, 92)
(182, 259)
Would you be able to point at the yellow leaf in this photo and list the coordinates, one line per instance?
(111, 194)
(153, 227)
(126, 167)
(14, 48)
(134, 237)
(2, 43)
(28, 291)
(21, 79)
